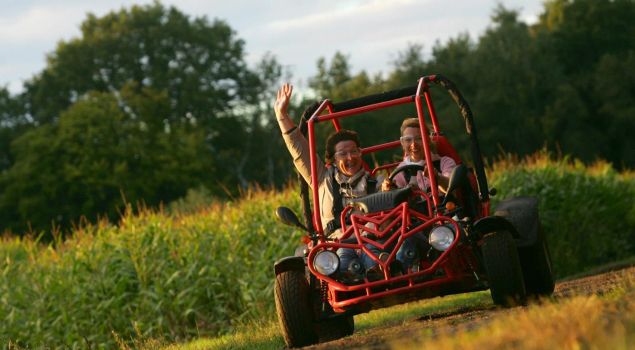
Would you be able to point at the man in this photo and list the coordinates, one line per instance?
(345, 179)
(412, 146)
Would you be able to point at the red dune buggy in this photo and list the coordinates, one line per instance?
(464, 249)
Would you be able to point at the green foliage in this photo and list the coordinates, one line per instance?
(99, 155)
(565, 82)
(193, 201)
(174, 277)
(588, 213)
(12, 123)
(141, 107)
(561, 82)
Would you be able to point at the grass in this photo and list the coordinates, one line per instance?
(207, 272)
(152, 276)
(587, 212)
(581, 322)
(596, 321)
(266, 335)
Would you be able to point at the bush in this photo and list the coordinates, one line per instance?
(202, 272)
(173, 277)
(588, 213)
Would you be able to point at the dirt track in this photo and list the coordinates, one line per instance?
(380, 337)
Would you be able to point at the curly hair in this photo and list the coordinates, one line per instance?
(334, 138)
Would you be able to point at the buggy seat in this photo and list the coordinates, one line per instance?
(445, 148)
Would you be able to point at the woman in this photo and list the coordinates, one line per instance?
(344, 180)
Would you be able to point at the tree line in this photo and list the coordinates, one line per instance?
(148, 103)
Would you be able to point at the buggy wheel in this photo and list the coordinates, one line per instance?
(293, 307)
(536, 265)
(336, 327)
(504, 272)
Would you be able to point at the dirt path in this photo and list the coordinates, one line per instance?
(380, 337)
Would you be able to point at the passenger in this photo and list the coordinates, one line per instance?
(347, 179)
(412, 145)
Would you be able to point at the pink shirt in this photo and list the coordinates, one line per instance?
(447, 165)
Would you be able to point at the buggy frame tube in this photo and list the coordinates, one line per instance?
(422, 89)
(334, 116)
(433, 114)
(470, 129)
(317, 222)
(358, 110)
(426, 143)
(381, 147)
(336, 122)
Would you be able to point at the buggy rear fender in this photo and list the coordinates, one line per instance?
(522, 213)
(289, 263)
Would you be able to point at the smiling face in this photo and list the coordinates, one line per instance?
(348, 157)
(412, 144)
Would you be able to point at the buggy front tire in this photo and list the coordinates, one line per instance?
(294, 310)
(503, 268)
(335, 327)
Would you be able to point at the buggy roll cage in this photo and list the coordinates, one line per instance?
(336, 111)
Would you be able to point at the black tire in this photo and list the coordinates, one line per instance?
(537, 268)
(504, 272)
(336, 327)
(294, 310)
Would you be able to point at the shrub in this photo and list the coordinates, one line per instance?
(163, 276)
(587, 212)
(204, 270)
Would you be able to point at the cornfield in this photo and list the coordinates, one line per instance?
(179, 276)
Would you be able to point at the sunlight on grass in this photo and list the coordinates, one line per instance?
(207, 271)
(604, 321)
(427, 307)
(261, 336)
(582, 322)
(267, 335)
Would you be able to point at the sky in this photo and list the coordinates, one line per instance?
(298, 32)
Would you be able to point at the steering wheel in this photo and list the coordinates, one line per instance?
(410, 169)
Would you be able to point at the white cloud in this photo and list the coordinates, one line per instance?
(41, 24)
(371, 32)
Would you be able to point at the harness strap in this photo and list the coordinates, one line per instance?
(338, 200)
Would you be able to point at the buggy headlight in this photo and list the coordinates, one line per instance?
(441, 238)
(326, 262)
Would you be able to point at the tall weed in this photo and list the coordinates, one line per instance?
(153, 276)
(587, 212)
(206, 271)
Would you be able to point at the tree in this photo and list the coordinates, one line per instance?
(338, 83)
(593, 42)
(13, 122)
(199, 64)
(182, 85)
(106, 149)
(614, 87)
(512, 77)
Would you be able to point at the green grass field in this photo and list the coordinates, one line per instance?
(171, 278)
(595, 321)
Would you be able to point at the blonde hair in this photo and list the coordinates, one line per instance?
(409, 123)
(414, 123)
